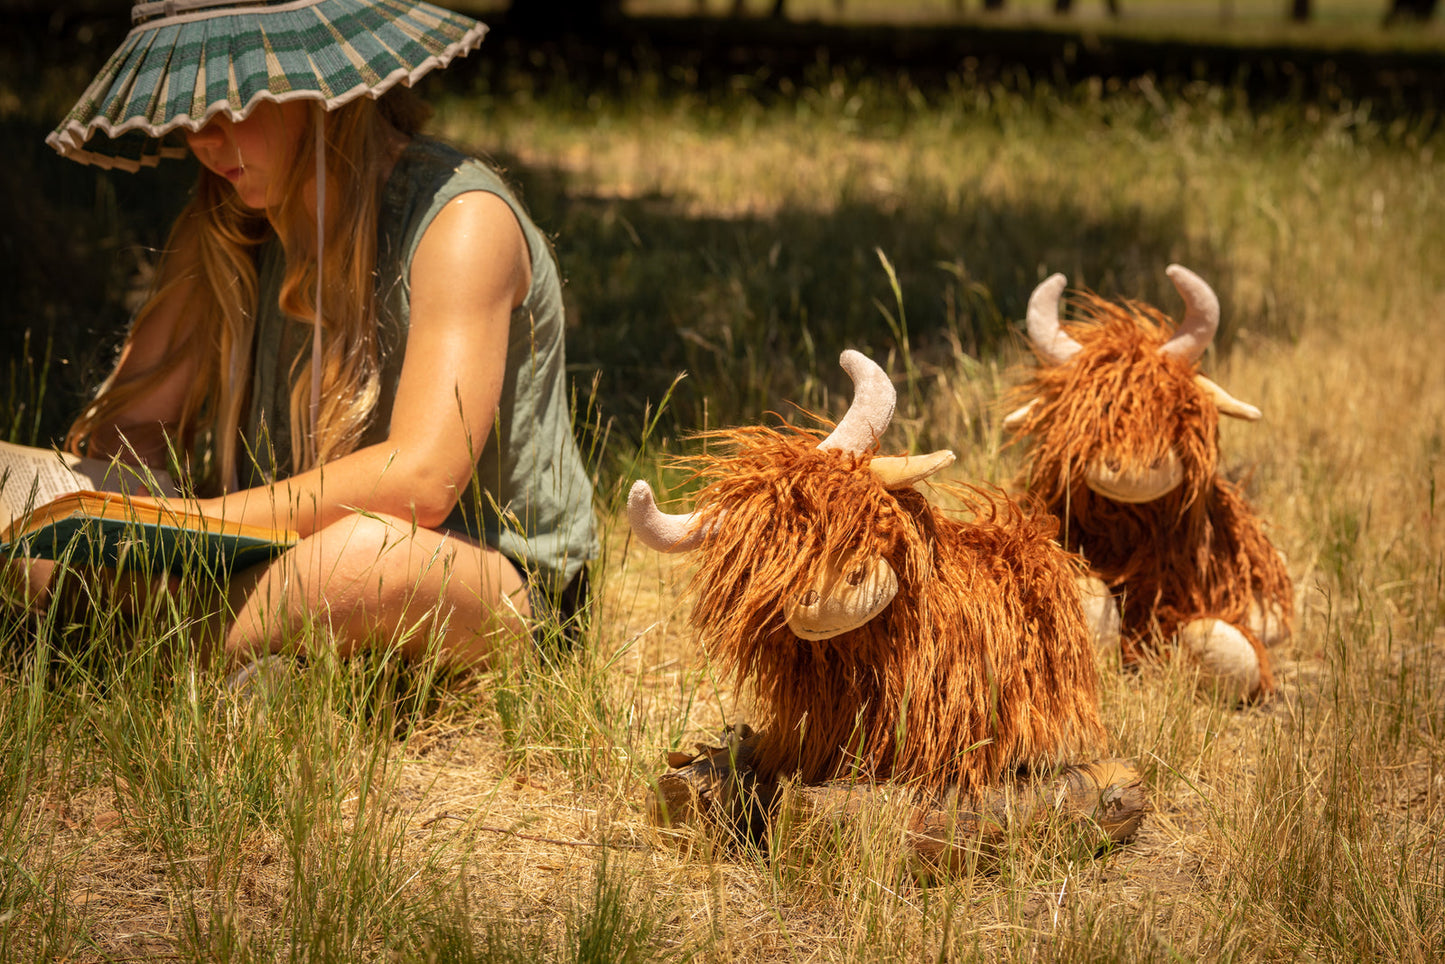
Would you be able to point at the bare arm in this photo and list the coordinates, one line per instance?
(470, 270)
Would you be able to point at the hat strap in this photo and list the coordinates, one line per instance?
(320, 259)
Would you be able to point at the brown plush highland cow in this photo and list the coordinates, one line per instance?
(1123, 445)
(881, 637)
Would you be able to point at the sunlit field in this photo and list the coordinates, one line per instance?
(1329, 21)
(741, 238)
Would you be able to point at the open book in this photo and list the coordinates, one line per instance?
(91, 512)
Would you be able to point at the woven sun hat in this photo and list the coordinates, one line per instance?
(185, 61)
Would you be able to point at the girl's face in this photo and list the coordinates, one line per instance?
(254, 154)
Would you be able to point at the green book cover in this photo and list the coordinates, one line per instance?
(153, 547)
(91, 529)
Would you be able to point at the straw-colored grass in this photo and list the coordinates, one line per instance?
(355, 811)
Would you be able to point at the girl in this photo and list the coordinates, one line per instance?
(399, 399)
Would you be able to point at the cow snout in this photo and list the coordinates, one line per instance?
(840, 599)
(1122, 481)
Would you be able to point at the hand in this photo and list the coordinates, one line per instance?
(211, 508)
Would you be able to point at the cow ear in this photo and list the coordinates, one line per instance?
(897, 472)
(1227, 403)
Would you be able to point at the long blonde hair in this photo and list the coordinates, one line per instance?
(221, 307)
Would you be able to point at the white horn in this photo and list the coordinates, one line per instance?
(661, 530)
(900, 471)
(1052, 344)
(872, 409)
(1014, 420)
(1201, 315)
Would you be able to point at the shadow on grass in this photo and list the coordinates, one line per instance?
(755, 308)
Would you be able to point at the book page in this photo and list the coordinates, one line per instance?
(31, 477)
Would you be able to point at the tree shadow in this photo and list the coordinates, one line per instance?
(74, 256)
(756, 308)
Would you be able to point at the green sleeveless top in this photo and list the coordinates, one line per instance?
(530, 497)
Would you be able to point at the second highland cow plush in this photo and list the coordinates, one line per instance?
(1122, 443)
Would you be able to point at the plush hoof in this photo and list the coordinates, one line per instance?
(1228, 665)
(1101, 613)
(1265, 621)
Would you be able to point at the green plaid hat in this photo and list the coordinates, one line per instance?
(188, 60)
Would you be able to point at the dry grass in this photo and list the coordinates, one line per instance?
(143, 815)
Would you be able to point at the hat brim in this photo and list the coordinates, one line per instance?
(174, 74)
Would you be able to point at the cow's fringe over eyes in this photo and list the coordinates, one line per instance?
(1198, 551)
(979, 666)
(1118, 396)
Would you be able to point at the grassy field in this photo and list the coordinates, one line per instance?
(1356, 13)
(363, 811)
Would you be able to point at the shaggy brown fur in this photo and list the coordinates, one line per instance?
(1198, 551)
(981, 664)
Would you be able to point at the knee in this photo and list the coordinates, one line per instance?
(354, 571)
(376, 553)
(357, 543)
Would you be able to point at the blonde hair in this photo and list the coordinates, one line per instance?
(221, 308)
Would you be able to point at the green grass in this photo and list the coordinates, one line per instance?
(358, 811)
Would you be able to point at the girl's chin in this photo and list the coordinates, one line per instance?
(254, 200)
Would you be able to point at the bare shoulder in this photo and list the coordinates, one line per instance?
(474, 248)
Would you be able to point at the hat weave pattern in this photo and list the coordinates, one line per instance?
(175, 72)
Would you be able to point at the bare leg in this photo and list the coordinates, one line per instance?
(27, 583)
(371, 579)
(32, 584)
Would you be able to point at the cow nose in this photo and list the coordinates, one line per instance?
(809, 598)
(1121, 481)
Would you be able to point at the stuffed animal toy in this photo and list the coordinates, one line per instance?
(881, 637)
(1121, 436)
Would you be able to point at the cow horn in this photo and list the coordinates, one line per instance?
(1227, 403)
(660, 530)
(1050, 341)
(1014, 420)
(896, 472)
(872, 409)
(1201, 315)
